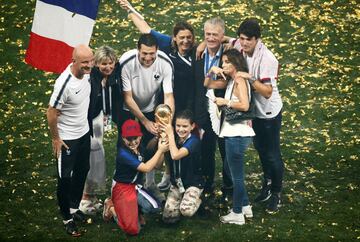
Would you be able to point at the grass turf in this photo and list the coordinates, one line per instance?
(317, 44)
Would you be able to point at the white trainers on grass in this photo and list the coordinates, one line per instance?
(233, 218)
(247, 211)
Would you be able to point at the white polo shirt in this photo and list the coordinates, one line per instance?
(71, 96)
(145, 83)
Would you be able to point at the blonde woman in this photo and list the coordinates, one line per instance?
(104, 111)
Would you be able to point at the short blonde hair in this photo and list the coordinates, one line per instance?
(103, 53)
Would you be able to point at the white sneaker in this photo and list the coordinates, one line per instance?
(165, 183)
(247, 211)
(87, 207)
(233, 218)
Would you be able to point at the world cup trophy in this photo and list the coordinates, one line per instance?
(163, 114)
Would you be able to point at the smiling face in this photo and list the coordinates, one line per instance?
(147, 55)
(132, 143)
(248, 44)
(106, 67)
(184, 40)
(183, 128)
(82, 61)
(213, 36)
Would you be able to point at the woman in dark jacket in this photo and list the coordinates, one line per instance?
(106, 102)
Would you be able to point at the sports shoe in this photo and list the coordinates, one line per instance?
(79, 216)
(71, 229)
(247, 211)
(107, 215)
(87, 207)
(233, 218)
(265, 192)
(274, 203)
(97, 204)
(165, 183)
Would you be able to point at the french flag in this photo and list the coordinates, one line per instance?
(59, 26)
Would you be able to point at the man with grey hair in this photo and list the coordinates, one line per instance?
(204, 108)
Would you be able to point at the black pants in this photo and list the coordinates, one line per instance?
(267, 143)
(208, 148)
(73, 166)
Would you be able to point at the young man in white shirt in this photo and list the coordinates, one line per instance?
(263, 73)
(147, 75)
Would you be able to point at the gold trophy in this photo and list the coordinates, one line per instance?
(163, 114)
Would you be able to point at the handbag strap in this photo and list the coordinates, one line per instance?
(247, 87)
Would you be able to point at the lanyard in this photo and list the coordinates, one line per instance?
(104, 100)
(207, 67)
(213, 61)
(177, 163)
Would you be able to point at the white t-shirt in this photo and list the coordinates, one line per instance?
(71, 96)
(145, 82)
(267, 72)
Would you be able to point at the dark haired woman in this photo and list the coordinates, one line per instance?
(237, 135)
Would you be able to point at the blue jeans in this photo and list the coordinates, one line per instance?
(267, 143)
(235, 149)
(145, 206)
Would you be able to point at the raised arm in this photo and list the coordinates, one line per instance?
(157, 158)
(202, 46)
(264, 89)
(169, 100)
(176, 154)
(139, 22)
(209, 82)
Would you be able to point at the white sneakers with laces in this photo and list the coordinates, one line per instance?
(233, 218)
(237, 218)
(247, 211)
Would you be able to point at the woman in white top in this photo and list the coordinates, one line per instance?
(237, 135)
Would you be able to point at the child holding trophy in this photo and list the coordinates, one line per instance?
(129, 200)
(185, 168)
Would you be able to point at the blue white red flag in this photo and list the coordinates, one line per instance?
(59, 26)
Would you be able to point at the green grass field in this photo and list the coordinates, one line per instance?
(317, 44)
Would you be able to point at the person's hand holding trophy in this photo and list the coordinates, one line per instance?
(163, 117)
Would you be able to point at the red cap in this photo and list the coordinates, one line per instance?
(131, 128)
